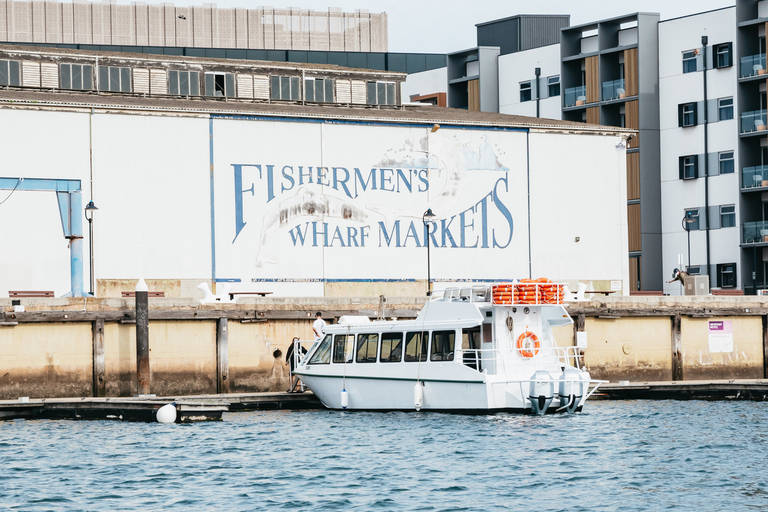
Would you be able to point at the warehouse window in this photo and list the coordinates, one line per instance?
(76, 76)
(10, 72)
(728, 216)
(725, 109)
(381, 93)
(723, 55)
(525, 91)
(318, 89)
(686, 114)
(553, 86)
(726, 275)
(114, 79)
(689, 167)
(220, 84)
(689, 61)
(692, 213)
(726, 162)
(184, 83)
(285, 88)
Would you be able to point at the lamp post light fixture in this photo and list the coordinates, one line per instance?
(687, 221)
(89, 209)
(427, 219)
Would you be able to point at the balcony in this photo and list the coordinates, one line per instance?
(754, 177)
(752, 65)
(576, 96)
(754, 121)
(755, 232)
(613, 89)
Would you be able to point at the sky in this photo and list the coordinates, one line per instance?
(444, 26)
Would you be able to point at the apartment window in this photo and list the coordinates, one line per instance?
(318, 89)
(381, 93)
(689, 167)
(726, 162)
(184, 83)
(553, 86)
(686, 114)
(689, 61)
(114, 79)
(285, 88)
(10, 72)
(694, 271)
(220, 84)
(727, 216)
(725, 109)
(726, 275)
(525, 91)
(692, 214)
(723, 55)
(76, 76)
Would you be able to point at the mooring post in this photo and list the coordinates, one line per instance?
(222, 356)
(142, 338)
(99, 385)
(677, 348)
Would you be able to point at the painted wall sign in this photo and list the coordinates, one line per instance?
(721, 336)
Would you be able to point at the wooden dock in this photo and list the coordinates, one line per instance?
(734, 389)
(188, 408)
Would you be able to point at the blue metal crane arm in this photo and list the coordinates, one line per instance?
(55, 185)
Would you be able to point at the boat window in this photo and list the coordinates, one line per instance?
(367, 344)
(470, 343)
(416, 346)
(391, 347)
(343, 345)
(323, 353)
(442, 345)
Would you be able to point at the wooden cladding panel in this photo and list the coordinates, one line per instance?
(633, 219)
(593, 79)
(473, 92)
(630, 72)
(634, 273)
(633, 176)
(632, 120)
(593, 115)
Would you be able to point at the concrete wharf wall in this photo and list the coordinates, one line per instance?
(68, 347)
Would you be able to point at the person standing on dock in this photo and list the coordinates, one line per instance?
(319, 326)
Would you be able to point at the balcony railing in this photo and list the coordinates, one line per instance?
(754, 177)
(754, 121)
(755, 232)
(752, 65)
(576, 96)
(613, 89)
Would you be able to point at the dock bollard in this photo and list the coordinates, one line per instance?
(142, 338)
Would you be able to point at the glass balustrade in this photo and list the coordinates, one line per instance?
(752, 65)
(575, 96)
(754, 121)
(754, 177)
(613, 89)
(755, 232)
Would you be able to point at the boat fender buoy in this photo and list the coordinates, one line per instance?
(418, 396)
(344, 399)
(528, 344)
(167, 413)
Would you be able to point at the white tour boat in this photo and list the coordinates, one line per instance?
(477, 349)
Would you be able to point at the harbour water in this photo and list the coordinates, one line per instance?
(615, 456)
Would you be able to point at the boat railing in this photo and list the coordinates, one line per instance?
(476, 293)
(301, 349)
(504, 361)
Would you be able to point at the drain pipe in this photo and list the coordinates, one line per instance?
(537, 72)
(704, 40)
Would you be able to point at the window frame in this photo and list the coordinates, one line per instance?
(726, 270)
(11, 67)
(723, 159)
(107, 75)
(551, 84)
(434, 349)
(322, 354)
(326, 87)
(687, 114)
(347, 354)
(729, 215)
(71, 66)
(375, 89)
(228, 90)
(422, 346)
(690, 56)
(723, 107)
(395, 351)
(689, 167)
(526, 91)
(724, 50)
(368, 339)
(192, 82)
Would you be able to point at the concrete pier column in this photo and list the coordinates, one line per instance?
(222, 356)
(99, 366)
(142, 338)
(677, 348)
(765, 346)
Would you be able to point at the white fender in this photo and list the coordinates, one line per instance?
(167, 413)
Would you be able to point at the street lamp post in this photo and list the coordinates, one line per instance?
(687, 221)
(426, 219)
(89, 209)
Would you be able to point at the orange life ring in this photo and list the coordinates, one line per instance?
(527, 351)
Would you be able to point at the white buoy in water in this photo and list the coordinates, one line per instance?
(344, 399)
(167, 413)
(418, 396)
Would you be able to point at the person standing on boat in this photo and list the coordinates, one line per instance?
(319, 326)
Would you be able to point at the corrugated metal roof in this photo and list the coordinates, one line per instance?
(20, 99)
